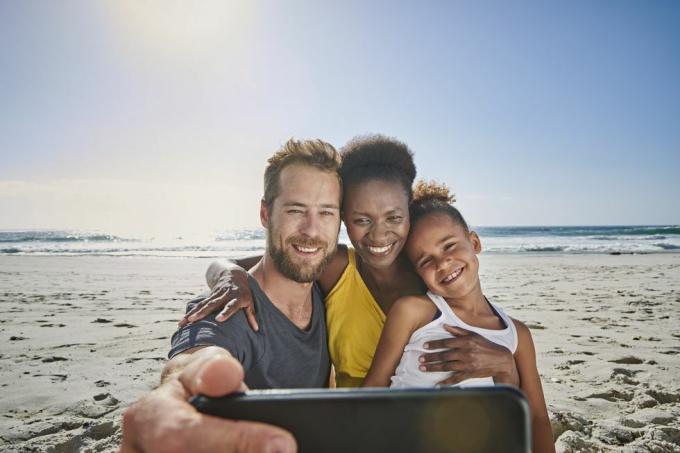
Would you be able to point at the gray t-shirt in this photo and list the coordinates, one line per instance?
(279, 355)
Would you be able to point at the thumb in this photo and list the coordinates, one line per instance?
(214, 372)
(457, 331)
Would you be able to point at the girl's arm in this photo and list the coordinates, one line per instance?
(406, 315)
(530, 383)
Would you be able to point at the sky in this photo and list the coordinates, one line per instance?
(144, 117)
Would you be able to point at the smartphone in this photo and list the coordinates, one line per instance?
(484, 419)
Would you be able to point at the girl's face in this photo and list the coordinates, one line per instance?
(376, 217)
(445, 255)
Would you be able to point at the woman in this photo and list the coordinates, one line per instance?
(362, 282)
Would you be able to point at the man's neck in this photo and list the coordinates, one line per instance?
(293, 299)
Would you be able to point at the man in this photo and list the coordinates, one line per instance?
(301, 212)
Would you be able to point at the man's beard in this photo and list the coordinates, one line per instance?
(298, 272)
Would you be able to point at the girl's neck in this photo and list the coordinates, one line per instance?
(473, 303)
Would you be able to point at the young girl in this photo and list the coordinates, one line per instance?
(444, 253)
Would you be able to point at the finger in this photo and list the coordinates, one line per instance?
(252, 319)
(441, 366)
(230, 309)
(449, 343)
(208, 307)
(196, 308)
(185, 429)
(214, 372)
(458, 331)
(443, 356)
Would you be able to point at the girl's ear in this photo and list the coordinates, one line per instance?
(476, 242)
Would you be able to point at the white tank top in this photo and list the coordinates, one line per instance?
(408, 374)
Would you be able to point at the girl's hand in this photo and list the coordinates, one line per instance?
(469, 355)
(229, 294)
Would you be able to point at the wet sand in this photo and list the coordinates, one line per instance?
(86, 336)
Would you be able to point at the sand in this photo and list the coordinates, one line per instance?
(83, 337)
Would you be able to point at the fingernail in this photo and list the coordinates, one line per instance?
(426, 345)
(279, 445)
(421, 359)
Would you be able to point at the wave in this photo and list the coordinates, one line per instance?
(668, 246)
(57, 236)
(587, 231)
(555, 248)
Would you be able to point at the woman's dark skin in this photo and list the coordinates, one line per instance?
(377, 227)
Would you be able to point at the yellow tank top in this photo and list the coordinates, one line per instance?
(355, 322)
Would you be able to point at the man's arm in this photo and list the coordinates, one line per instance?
(163, 420)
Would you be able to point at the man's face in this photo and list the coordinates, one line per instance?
(303, 222)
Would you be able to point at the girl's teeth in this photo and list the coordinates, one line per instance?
(453, 275)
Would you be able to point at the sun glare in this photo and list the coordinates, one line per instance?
(182, 26)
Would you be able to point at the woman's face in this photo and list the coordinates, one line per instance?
(376, 217)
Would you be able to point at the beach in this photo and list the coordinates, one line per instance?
(86, 336)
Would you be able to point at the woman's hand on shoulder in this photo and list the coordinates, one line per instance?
(230, 293)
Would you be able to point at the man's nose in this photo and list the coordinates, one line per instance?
(310, 225)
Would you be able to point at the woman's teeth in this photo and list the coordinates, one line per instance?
(380, 250)
(453, 275)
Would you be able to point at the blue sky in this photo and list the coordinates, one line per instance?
(158, 116)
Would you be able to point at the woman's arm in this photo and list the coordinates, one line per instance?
(406, 315)
(230, 292)
(219, 268)
(542, 438)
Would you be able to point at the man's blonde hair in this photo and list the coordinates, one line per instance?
(315, 153)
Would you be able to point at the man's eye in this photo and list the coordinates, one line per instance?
(425, 263)
(449, 246)
(395, 219)
(361, 221)
(327, 213)
(295, 211)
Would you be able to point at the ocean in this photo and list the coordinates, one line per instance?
(238, 243)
